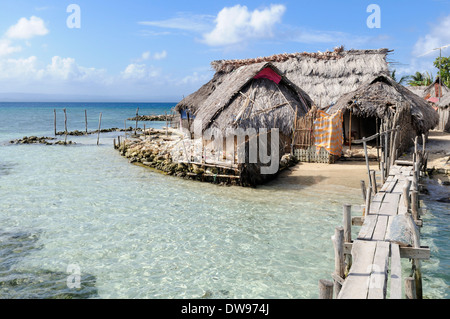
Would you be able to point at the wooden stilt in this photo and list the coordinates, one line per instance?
(363, 190)
(374, 181)
(325, 289)
(410, 288)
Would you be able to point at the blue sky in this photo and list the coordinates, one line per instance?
(161, 50)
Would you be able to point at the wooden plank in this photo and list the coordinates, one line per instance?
(389, 206)
(405, 252)
(391, 185)
(376, 203)
(386, 183)
(356, 284)
(398, 188)
(396, 273)
(379, 273)
(368, 227)
(380, 228)
(415, 253)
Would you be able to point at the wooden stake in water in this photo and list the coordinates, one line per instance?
(85, 120)
(137, 114)
(65, 126)
(99, 124)
(54, 120)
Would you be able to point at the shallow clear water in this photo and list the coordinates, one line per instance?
(135, 233)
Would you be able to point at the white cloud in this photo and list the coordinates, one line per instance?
(136, 71)
(148, 56)
(26, 29)
(438, 36)
(7, 49)
(160, 55)
(237, 24)
(184, 21)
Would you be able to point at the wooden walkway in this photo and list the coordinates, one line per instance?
(389, 232)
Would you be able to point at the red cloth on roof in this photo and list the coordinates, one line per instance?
(270, 74)
(433, 99)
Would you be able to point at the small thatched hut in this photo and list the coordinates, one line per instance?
(438, 95)
(382, 98)
(435, 91)
(250, 98)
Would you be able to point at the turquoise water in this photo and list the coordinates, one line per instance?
(134, 233)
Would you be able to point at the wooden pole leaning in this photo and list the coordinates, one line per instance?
(339, 261)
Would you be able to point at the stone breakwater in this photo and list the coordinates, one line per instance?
(40, 140)
(169, 152)
(153, 118)
(106, 130)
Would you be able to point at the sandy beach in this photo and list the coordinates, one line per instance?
(350, 173)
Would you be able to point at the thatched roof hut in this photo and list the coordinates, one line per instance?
(433, 90)
(381, 98)
(249, 99)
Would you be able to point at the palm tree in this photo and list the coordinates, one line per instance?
(421, 79)
(402, 79)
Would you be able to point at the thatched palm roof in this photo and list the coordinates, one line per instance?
(325, 76)
(229, 100)
(378, 98)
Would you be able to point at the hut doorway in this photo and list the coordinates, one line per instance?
(359, 127)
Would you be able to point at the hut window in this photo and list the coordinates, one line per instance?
(270, 74)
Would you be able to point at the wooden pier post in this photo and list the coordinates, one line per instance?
(415, 204)
(347, 235)
(347, 223)
(363, 190)
(339, 265)
(386, 152)
(374, 181)
(410, 288)
(383, 176)
(368, 201)
(99, 124)
(406, 198)
(325, 289)
(367, 160)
